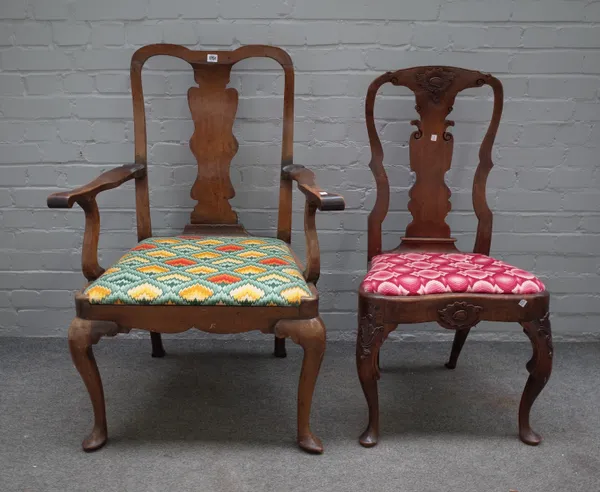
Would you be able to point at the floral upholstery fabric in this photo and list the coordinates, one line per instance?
(208, 270)
(417, 274)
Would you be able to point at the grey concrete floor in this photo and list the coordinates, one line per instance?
(220, 416)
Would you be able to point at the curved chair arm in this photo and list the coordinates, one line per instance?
(106, 181)
(314, 194)
(316, 198)
(85, 196)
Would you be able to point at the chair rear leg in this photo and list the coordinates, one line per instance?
(460, 336)
(279, 347)
(157, 345)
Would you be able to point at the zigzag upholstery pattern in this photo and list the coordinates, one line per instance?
(203, 270)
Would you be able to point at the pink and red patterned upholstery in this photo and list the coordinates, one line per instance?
(417, 274)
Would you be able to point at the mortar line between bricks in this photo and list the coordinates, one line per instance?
(57, 72)
(499, 213)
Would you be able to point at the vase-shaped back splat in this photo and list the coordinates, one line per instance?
(213, 106)
(431, 146)
(431, 149)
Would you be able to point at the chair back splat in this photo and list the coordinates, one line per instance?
(431, 146)
(213, 107)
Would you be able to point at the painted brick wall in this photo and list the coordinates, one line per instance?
(65, 116)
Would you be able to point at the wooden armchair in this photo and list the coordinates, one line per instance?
(215, 276)
(426, 278)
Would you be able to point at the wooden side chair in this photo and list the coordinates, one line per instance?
(214, 276)
(426, 278)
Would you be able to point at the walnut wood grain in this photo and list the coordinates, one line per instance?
(310, 335)
(372, 331)
(312, 271)
(540, 368)
(322, 199)
(80, 346)
(430, 151)
(431, 146)
(83, 334)
(91, 236)
(85, 196)
(213, 107)
(227, 59)
(494, 307)
(106, 181)
(483, 238)
(316, 198)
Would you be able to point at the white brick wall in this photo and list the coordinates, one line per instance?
(65, 116)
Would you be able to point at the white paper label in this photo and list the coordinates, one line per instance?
(212, 58)
(522, 303)
(322, 193)
(434, 138)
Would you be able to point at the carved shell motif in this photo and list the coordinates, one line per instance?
(459, 315)
(435, 81)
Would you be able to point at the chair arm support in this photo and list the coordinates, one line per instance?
(316, 198)
(106, 181)
(85, 196)
(314, 194)
(89, 251)
(312, 271)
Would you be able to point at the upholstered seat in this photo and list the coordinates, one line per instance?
(209, 270)
(417, 274)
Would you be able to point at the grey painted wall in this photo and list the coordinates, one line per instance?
(66, 116)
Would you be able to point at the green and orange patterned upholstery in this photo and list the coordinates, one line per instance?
(203, 270)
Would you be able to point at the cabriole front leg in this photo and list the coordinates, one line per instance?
(370, 337)
(310, 335)
(81, 339)
(540, 368)
(83, 334)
